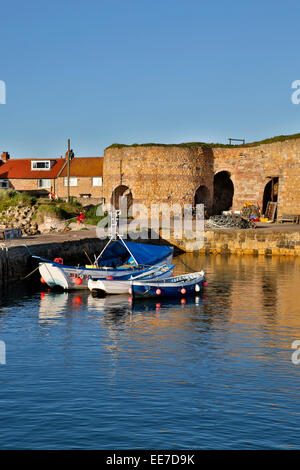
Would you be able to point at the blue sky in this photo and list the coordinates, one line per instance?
(131, 71)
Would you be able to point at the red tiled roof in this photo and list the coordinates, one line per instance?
(85, 166)
(21, 168)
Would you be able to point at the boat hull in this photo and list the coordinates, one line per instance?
(179, 286)
(67, 277)
(116, 286)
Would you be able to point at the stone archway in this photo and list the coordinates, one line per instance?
(121, 198)
(270, 192)
(202, 196)
(223, 192)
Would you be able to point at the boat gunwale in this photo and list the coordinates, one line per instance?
(107, 268)
(171, 282)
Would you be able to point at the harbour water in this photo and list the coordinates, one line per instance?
(212, 372)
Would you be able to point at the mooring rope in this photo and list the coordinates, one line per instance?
(187, 266)
(22, 278)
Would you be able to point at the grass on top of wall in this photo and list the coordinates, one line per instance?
(278, 138)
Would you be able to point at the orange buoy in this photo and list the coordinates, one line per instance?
(78, 300)
(43, 280)
(78, 281)
(183, 290)
(158, 291)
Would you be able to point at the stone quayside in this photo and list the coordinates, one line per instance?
(16, 261)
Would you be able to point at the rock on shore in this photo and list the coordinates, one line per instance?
(20, 217)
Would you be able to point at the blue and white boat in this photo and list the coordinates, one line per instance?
(121, 286)
(177, 286)
(118, 260)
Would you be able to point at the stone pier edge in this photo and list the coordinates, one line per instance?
(16, 261)
(245, 242)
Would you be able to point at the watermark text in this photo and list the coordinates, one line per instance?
(2, 352)
(296, 94)
(2, 92)
(296, 354)
(160, 220)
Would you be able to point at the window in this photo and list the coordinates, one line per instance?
(40, 165)
(72, 181)
(4, 184)
(97, 181)
(44, 183)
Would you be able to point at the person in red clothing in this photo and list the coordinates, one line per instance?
(80, 218)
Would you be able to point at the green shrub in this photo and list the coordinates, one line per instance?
(62, 211)
(91, 216)
(11, 198)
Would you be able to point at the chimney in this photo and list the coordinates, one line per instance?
(4, 157)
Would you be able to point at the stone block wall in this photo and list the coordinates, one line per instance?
(172, 174)
(251, 168)
(157, 174)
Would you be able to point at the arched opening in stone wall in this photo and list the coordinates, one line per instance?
(223, 192)
(270, 192)
(202, 196)
(121, 198)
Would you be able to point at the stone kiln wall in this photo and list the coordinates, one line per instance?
(158, 174)
(171, 174)
(251, 167)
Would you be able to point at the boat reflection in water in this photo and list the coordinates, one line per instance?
(55, 305)
(52, 306)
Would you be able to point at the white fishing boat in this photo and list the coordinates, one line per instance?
(139, 257)
(118, 260)
(116, 286)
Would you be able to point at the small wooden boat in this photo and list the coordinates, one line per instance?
(185, 284)
(115, 286)
(118, 259)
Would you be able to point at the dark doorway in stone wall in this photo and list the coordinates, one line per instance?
(121, 198)
(270, 192)
(202, 196)
(223, 192)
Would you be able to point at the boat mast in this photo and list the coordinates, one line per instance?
(114, 234)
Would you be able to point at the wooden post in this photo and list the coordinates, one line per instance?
(272, 190)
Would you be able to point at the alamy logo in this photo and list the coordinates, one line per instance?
(139, 221)
(2, 92)
(2, 352)
(296, 94)
(296, 354)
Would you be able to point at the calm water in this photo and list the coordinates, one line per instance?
(213, 373)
